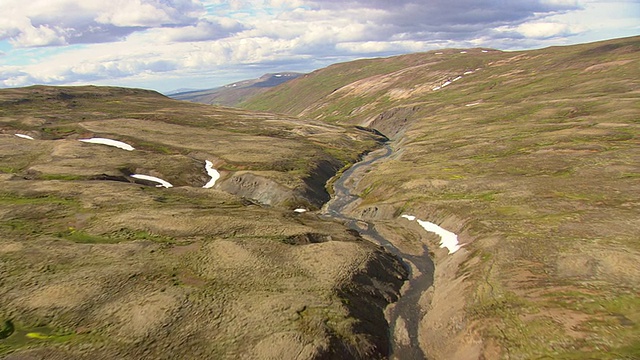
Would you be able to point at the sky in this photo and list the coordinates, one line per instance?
(166, 45)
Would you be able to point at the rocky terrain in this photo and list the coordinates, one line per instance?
(531, 158)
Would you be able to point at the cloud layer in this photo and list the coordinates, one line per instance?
(159, 42)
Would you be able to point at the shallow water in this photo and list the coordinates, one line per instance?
(421, 271)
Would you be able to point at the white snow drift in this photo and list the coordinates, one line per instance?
(110, 142)
(154, 179)
(447, 238)
(215, 175)
(24, 136)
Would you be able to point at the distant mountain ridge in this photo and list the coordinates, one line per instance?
(234, 93)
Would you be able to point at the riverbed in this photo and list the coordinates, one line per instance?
(405, 315)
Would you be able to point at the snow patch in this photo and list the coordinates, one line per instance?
(467, 72)
(24, 136)
(103, 141)
(447, 238)
(473, 104)
(215, 175)
(153, 178)
(300, 210)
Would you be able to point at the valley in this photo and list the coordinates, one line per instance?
(453, 204)
(117, 247)
(529, 157)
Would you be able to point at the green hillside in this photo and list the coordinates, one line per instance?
(96, 263)
(532, 158)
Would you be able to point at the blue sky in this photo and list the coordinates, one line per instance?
(170, 44)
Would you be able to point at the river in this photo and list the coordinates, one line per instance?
(406, 312)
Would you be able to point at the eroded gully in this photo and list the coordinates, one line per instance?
(404, 318)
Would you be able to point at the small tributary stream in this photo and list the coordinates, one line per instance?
(407, 312)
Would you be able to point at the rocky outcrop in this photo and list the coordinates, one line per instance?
(393, 122)
(257, 188)
(370, 289)
(315, 184)
(310, 193)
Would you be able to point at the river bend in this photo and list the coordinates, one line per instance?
(406, 315)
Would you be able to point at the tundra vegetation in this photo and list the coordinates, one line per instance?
(95, 263)
(530, 157)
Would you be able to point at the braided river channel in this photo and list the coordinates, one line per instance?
(406, 314)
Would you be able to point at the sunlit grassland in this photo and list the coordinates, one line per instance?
(538, 149)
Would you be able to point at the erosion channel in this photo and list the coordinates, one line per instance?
(404, 318)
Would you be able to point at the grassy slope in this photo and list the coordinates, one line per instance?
(536, 153)
(298, 94)
(233, 139)
(111, 269)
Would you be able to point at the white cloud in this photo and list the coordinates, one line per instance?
(206, 29)
(146, 41)
(60, 22)
(148, 13)
(544, 30)
(13, 77)
(372, 47)
(39, 36)
(567, 3)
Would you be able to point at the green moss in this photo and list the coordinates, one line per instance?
(7, 329)
(156, 147)
(83, 237)
(26, 336)
(15, 199)
(21, 226)
(37, 335)
(63, 177)
(8, 169)
(62, 131)
(483, 196)
(126, 234)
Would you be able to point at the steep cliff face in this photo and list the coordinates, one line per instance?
(370, 288)
(257, 188)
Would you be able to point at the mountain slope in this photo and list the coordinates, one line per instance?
(531, 158)
(97, 263)
(232, 94)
